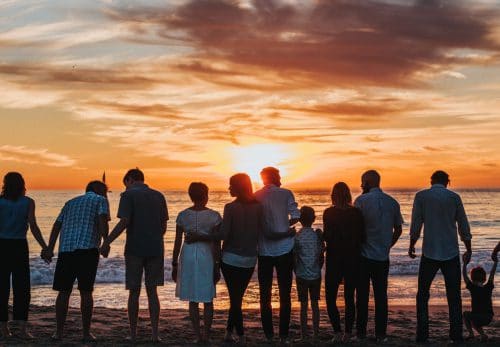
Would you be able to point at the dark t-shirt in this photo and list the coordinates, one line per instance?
(146, 210)
(481, 298)
(344, 232)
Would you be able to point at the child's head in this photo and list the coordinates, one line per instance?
(198, 192)
(478, 274)
(307, 216)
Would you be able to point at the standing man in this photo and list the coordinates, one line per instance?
(280, 212)
(143, 212)
(383, 226)
(82, 223)
(440, 211)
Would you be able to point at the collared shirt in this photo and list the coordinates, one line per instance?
(381, 214)
(442, 214)
(308, 250)
(79, 222)
(279, 206)
(147, 213)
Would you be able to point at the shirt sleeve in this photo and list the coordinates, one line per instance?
(398, 217)
(226, 222)
(103, 208)
(293, 209)
(166, 217)
(125, 206)
(179, 219)
(417, 218)
(462, 222)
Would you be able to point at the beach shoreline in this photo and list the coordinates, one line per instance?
(110, 326)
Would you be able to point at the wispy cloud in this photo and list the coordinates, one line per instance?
(35, 156)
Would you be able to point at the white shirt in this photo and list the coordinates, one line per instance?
(442, 214)
(279, 207)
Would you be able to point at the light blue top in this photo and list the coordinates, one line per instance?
(14, 218)
(308, 251)
(381, 214)
(279, 207)
(442, 214)
(239, 260)
(79, 219)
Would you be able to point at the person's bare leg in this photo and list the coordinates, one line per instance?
(194, 314)
(315, 318)
(62, 302)
(303, 318)
(483, 335)
(87, 308)
(468, 325)
(23, 330)
(133, 311)
(4, 330)
(154, 311)
(208, 316)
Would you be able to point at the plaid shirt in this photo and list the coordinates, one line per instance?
(79, 218)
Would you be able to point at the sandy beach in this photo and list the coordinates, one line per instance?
(110, 326)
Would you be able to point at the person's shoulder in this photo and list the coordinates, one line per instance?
(329, 210)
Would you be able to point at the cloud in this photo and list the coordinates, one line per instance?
(34, 156)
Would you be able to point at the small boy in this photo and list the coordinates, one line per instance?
(308, 254)
(482, 308)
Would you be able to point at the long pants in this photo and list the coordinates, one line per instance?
(284, 270)
(378, 273)
(237, 279)
(14, 262)
(452, 279)
(338, 269)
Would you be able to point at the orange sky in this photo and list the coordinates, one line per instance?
(199, 90)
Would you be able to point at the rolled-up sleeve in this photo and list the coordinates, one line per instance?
(293, 209)
(462, 222)
(417, 218)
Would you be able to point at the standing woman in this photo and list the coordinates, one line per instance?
(242, 223)
(343, 233)
(198, 261)
(17, 213)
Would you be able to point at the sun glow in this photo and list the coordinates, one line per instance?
(252, 158)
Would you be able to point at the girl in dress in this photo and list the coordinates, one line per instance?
(196, 272)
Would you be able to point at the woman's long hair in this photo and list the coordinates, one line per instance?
(241, 185)
(341, 195)
(13, 186)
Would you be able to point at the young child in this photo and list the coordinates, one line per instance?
(482, 309)
(309, 258)
(198, 261)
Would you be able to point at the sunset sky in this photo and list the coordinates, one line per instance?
(199, 90)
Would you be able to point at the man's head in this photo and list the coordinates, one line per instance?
(370, 179)
(440, 177)
(271, 175)
(133, 176)
(97, 187)
(478, 274)
(198, 192)
(307, 216)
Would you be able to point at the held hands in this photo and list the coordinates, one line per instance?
(466, 257)
(411, 253)
(46, 254)
(104, 250)
(174, 273)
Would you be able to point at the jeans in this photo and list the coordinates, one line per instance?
(284, 270)
(452, 279)
(14, 261)
(378, 273)
(237, 279)
(337, 269)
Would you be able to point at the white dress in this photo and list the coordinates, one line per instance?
(196, 263)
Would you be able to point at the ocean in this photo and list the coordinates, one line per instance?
(482, 207)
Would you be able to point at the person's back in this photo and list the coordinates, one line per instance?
(147, 213)
(344, 232)
(14, 217)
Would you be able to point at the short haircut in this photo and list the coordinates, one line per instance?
(13, 186)
(372, 176)
(198, 191)
(307, 215)
(96, 187)
(341, 195)
(478, 274)
(440, 177)
(269, 171)
(134, 174)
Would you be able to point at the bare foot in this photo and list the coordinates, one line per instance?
(56, 336)
(25, 335)
(89, 338)
(131, 339)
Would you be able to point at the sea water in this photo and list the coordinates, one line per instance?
(482, 208)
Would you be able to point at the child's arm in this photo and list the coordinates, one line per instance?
(464, 273)
(492, 272)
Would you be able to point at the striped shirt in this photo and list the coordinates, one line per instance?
(79, 219)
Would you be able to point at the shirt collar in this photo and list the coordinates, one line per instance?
(438, 185)
(375, 189)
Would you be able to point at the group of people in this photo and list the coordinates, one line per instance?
(256, 229)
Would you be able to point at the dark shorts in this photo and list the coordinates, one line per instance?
(80, 265)
(478, 319)
(152, 267)
(313, 287)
